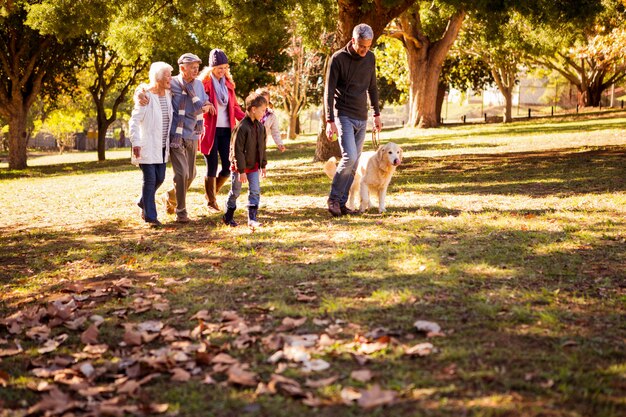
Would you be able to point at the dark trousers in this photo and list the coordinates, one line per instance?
(221, 148)
(153, 177)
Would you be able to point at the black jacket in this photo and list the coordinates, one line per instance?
(247, 145)
(349, 80)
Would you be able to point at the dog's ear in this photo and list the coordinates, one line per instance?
(380, 153)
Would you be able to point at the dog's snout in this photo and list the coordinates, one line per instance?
(396, 161)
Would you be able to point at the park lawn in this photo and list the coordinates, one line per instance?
(511, 238)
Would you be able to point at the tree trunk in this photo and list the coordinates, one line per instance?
(298, 126)
(425, 61)
(18, 140)
(441, 95)
(103, 125)
(504, 76)
(292, 130)
(351, 13)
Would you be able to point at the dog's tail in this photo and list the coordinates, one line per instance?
(330, 167)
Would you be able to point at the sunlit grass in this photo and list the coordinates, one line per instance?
(510, 237)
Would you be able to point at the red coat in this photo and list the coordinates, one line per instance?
(210, 120)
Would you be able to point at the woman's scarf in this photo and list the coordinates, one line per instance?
(221, 91)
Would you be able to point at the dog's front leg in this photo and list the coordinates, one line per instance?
(365, 197)
(381, 199)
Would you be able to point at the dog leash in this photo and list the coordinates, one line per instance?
(375, 138)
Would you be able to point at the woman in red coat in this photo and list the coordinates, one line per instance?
(215, 141)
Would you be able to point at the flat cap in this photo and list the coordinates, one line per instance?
(188, 58)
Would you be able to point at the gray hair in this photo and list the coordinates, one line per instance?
(157, 71)
(362, 31)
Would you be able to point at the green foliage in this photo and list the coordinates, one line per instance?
(393, 79)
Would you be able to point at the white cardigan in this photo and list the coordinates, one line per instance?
(271, 129)
(146, 130)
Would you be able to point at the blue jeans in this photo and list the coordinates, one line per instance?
(254, 189)
(351, 139)
(153, 177)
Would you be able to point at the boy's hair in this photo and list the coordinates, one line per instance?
(255, 100)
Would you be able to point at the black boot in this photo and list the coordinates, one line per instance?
(252, 211)
(227, 218)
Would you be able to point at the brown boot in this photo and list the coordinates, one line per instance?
(209, 190)
(219, 181)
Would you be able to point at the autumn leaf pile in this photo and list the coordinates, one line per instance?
(74, 371)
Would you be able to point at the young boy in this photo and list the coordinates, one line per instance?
(247, 158)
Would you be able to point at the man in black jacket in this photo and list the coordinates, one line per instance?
(351, 78)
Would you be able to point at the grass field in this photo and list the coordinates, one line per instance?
(511, 238)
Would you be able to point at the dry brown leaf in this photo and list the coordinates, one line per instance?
(224, 358)
(201, 315)
(319, 383)
(12, 352)
(362, 375)
(147, 337)
(4, 378)
(53, 403)
(421, 349)
(128, 387)
(39, 333)
(237, 375)
(90, 336)
(312, 401)
(369, 348)
(157, 408)
(430, 328)
(208, 380)
(180, 375)
(161, 306)
(96, 350)
(375, 397)
(279, 383)
(75, 324)
(305, 298)
(315, 365)
(360, 359)
(52, 344)
(290, 323)
(132, 338)
(152, 326)
(349, 394)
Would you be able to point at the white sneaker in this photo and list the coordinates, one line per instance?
(253, 224)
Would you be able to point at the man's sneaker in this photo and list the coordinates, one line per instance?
(170, 207)
(334, 208)
(154, 223)
(348, 212)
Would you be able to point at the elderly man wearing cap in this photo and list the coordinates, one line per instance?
(189, 102)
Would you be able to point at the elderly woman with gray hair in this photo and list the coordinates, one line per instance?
(149, 135)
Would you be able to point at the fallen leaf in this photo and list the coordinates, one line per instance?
(87, 369)
(201, 315)
(53, 403)
(224, 358)
(315, 365)
(237, 375)
(180, 375)
(305, 298)
(369, 348)
(75, 324)
(4, 378)
(128, 387)
(279, 383)
(319, 383)
(132, 338)
(12, 352)
(421, 349)
(290, 323)
(151, 326)
(39, 333)
(208, 380)
(52, 344)
(349, 394)
(362, 375)
(375, 397)
(90, 336)
(428, 327)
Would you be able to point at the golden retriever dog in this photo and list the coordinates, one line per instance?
(373, 175)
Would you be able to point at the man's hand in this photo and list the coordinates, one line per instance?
(331, 131)
(263, 173)
(378, 125)
(137, 151)
(243, 178)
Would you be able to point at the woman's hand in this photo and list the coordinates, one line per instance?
(137, 151)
